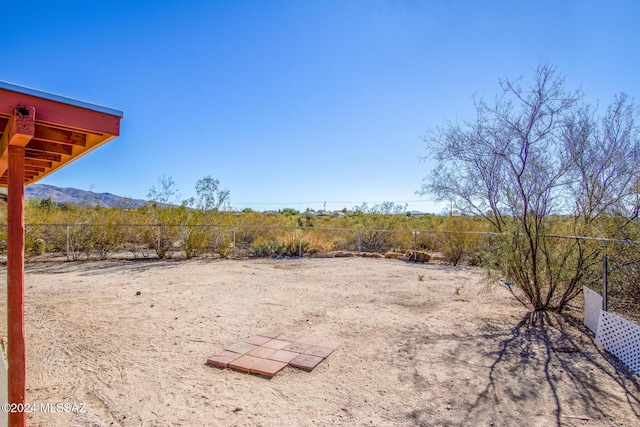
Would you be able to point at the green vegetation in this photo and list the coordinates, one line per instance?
(162, 230)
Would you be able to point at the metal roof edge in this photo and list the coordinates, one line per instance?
(58, 98)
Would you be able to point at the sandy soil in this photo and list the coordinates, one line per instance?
(445, 351)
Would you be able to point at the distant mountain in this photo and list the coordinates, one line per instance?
(80, 197)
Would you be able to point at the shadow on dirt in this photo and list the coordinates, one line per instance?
(561, 351)
(93, 268)
(546, 360)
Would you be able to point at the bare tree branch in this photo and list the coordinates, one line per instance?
(538, 151)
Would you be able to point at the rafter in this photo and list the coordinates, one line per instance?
(31, 168)
(50, 147)
(52, 134)
(41, 155)
(37, 162)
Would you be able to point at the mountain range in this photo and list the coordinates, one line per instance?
(80, 197)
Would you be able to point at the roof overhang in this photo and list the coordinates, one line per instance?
(54, 130)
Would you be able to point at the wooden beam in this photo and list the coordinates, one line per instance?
(40, 155)
(32, 168)
(3, 122)
(4, 144)
(17, 372)
(51, 134)
(37, 162)
(62, 114)
(18, 132)
(50, 147)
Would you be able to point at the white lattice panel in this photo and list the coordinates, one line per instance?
(592, 308)
(621, 338)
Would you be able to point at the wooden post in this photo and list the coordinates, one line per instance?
(605, 282)
(15, 289)
(66, 130)
(68, 246)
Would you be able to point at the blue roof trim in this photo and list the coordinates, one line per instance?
(62, 99)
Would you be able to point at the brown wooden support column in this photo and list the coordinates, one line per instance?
(29, 151)
(22, 127)
(15, 289)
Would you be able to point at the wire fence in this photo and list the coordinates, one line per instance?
(620, 286)
(133, 241)
(73, 242)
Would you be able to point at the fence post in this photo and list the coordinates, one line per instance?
(233, 248)
(605, 282)
(359, 242)
(415, 245)
(300, 242)
(68, 242)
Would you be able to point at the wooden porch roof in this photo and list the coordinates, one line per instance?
(59, 131)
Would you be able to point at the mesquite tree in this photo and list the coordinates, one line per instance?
(537, 157)
(210, 197)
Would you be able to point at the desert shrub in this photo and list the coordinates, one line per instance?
(105, 239)
(251, 225)
(225, 247)
(135, 239)
(624, 282)
(39, 247)
(381, 241)
(290, 212)
(161, 240)
(262, 247)
(454, 248)
(482, 257)
(34, 246)
(293, 247)
(623, 267)
(244, 236)
(79, 242)
(193, 240)
(563, 258)
(318, 240)
(55, 237)
(340, 240)
(3, 240)
(165, 233)
(458, 245)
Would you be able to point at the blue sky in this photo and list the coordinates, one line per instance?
(296, 103)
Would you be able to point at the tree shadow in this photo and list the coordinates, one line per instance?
(547, 368)
(565, 349)
(93, 268)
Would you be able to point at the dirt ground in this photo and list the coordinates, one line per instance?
(448, 350)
